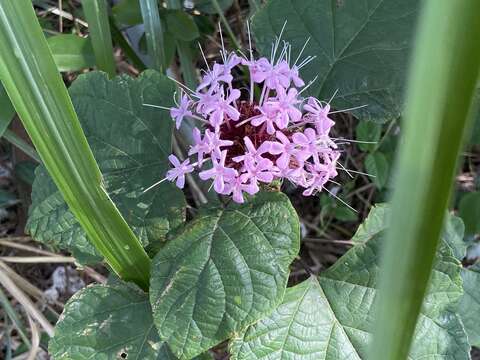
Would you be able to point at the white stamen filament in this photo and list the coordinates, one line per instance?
(204, 58)
(301, 51)
(336, 197)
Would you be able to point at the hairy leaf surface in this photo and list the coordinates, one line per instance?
(469, 306)
(331, 317)
(131, 143)
(103, 322)
(225, 270)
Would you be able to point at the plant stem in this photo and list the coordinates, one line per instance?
(230, 33)
(443, 76)
(41, 100)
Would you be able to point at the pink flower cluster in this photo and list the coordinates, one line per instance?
(248, 142)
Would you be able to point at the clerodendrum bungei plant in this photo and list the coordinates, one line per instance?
(248, 142)
(181, 287)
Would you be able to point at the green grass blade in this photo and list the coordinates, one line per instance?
(6, 110)
(444, 72)
(15, 140)
(12, 314)
(96, 15)
(154, 33)
(39, 95)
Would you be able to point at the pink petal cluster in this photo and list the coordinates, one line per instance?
(247, 142)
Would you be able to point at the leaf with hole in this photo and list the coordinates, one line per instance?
(131, 143)
(225, 270)
(108, 322)
(362, 48)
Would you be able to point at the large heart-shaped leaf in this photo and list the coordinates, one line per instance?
(361, 48)
(131, 143)
(225, 270)
(331, 317)
(378, 219)
(108, 322)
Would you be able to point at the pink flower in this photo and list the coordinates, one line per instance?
(219, 172)
(259, 171)
(252, 153)
(285, 148)
(319, 115)
(268, 115)
(222, 107)
(286, 107)
(237, 186)
(262, 144)
(206, 101)
(179, 113)
(200, 147)
(179, 170)
(258, 69)
(213, 77)
(278, 77)
(294, 76)
(318, 178)
(214, 144)
(232, 61)
(307, 142)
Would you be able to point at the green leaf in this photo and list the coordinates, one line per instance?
(469, 306)
(378, 220)
(343, 213)
(206, 6)
(25, 171)
(131, 143)
(361, 48)
(452, 235)
(224, 271)
(103, 322)
(368, 131)
(181, 25)
(6, 110)
(41, 100)
(438, 108)
(71, 52)
(469, 211)
(376, 164)
(127, 12)
(331, 317)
